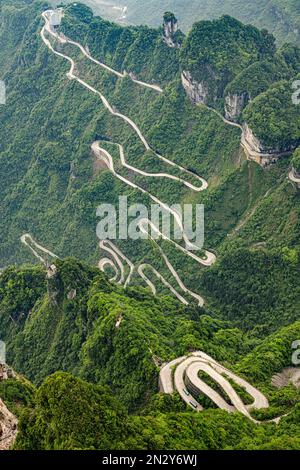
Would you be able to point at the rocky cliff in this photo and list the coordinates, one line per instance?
(257, 151)
(53, 284)
(8, 422)
(8, 427)
(234, 105)
(6, 372)
(254, 144)
(197, 91)
(170, 27)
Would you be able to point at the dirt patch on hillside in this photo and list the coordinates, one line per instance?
(290, 375)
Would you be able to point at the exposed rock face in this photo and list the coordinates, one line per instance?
(53, 284)
(170, 28)
(254, 144)
(8, 427)
(196, 91)
(8, 422)
(287, 376)
(6, 372)
(72, 294)
(234, 105)
(51, 271)
(258, 152)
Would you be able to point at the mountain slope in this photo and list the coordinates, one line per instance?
(62, 421)
(96, 111)
(280, 17)
(52, 183)
(117, 339)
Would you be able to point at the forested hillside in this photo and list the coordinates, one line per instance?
(46, 330)
(52, 183)
(97, 110)
(99, 422)
(280, 17)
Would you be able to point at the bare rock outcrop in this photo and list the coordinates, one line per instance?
(234, 105)
(197, 92)
(6, 372)
(8, 421)
(257, 151)
(289, 375)
(8, 427)
(72, 294)
(53, 284)
(170, 27)
(253, 142)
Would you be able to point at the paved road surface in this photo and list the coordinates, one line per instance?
(187, 369)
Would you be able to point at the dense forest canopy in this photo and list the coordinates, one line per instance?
(90, 349)
(281, 17)
(67, 412)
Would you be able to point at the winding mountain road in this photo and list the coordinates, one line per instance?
(182, 375)
(294, 178)
(102, 154)
(63, 39)
(118, 258)
(191, 186)
(28, 241)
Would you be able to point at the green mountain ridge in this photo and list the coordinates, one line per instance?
(93, 347)
(278, 16)
(61, 202)
(79, 335)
